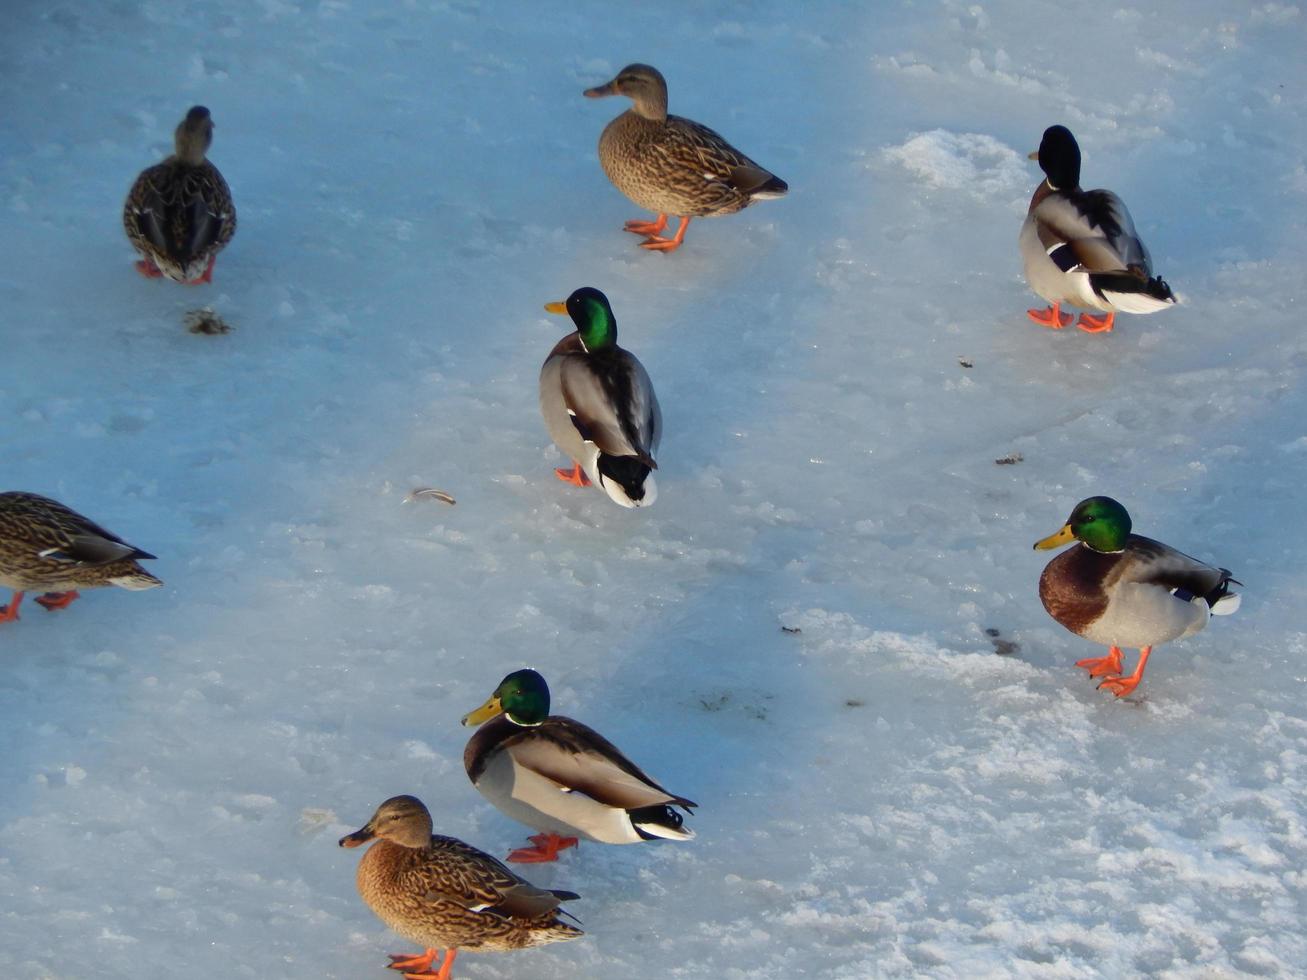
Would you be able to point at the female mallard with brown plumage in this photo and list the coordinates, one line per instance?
(562, 777)
(1124, 590)
(47, 546)
(673, 165)
(1081, 247)
(443, 894)
(599, 404)
(179, 214)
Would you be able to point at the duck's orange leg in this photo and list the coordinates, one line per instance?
(646, 227)
(57, 600)
(546, 849)
(148, 269)
(657, 244)
(1096, 324)
(575, 476)
(419, 967)
(10, 612)
(1052, 317)
(1101, 666)
(1121, 686)
(420, 962)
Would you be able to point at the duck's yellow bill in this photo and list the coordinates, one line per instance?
(487, 711)
(1064, 536)
(1032, 155)
(556, 308)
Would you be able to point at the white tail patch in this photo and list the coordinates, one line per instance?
(1136, 302)
(667, 833)
(766, 195)
(137, 582)
(618, 495)
(1227, 604)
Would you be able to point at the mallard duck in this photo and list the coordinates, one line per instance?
(562, 777)
(1123, 590)
(442, 893)
(45, 545)
(179, 213)
(672, 165)
(599, 404)
(1080, 247)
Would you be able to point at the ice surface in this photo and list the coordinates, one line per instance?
(883, 793)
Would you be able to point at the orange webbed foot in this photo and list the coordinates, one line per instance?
(57, 600)
(651, 228)
(1102, 666)
(148, 269)
(656, 243)
(406, 961)
(1051, 317)
(575, 476)
(546, 849)
(1121, 686)
(1096, 324)
(10, 612)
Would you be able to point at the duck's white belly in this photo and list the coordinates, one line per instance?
(1140, 615)
(531, 799)
(1047, 280)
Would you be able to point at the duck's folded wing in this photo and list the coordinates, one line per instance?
(1154, 563)
(610, 408)
(472, 879)
(581, 760)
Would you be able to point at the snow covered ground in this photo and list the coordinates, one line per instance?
(891, 791)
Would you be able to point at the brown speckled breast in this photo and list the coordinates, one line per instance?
(1073, 586)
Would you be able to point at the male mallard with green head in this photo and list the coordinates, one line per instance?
(599, 404)
(562, 777)
(1124, 590)
(47, 546)
(179, 214)
(672, 165)
(443, 894)
(1081, 247)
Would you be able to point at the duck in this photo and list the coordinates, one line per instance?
(1080, 247)
(599, 404)
(672, 165)
(1124, 590)
(561, 777)
(47, 546)
(179, 213)
(441, 893)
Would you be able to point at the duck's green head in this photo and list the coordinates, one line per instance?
(523, 696)
(1059, 158)
(592, 315)
(1099, 522)
(194, 135)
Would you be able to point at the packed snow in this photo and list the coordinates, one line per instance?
(826, 631)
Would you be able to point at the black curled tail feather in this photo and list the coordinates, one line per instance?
(1128, 282)
(626, 471)
(660, 814)
(1222, 588)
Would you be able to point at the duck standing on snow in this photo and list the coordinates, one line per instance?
(444, 894)
(673, 165)
(179, 213)
(45, 545)
(1080, 247)
(1123, 590)
(562, 777)
(599, 405)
